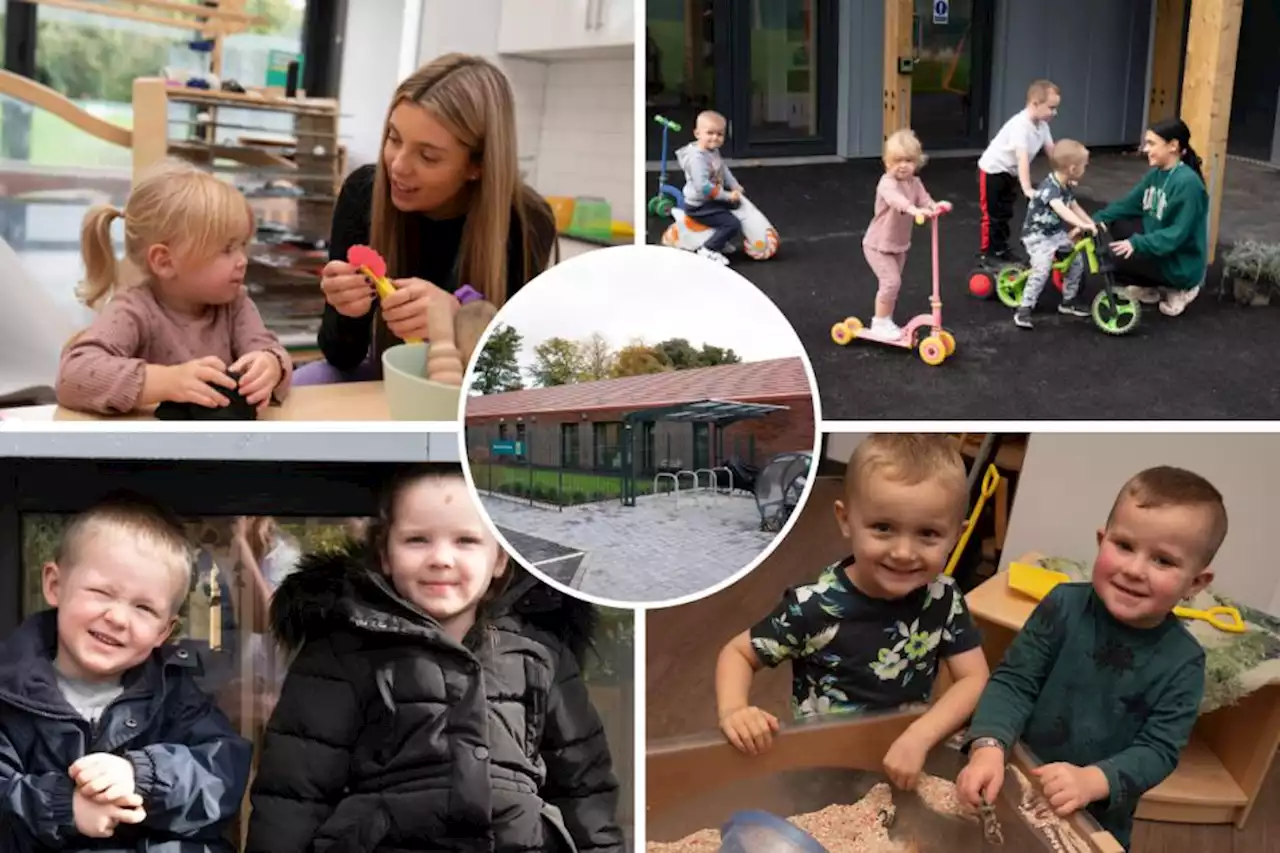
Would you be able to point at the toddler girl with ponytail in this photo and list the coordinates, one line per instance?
(181, 319)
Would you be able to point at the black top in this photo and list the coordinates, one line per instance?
(390, 736)
(850, 652)
(433, 253)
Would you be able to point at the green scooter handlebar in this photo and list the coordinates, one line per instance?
(667, 123)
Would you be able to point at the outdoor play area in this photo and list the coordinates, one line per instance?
(1206, 364)
(645, 488)
(1034, 500)
(1121, 69)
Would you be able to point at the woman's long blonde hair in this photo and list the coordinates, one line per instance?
(191, 211)
(473, 98)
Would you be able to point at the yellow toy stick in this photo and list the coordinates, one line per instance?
(990, 482)
(370, 264)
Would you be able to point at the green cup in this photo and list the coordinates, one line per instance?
(410, 395)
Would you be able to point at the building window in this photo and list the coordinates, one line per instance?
(502, 432)
(607, 446)
(570, 446)
(520, 440)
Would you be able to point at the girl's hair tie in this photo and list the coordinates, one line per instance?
(467, 293)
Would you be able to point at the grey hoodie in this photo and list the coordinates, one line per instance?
(706, 175)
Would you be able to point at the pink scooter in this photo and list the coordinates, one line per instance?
(923, 332)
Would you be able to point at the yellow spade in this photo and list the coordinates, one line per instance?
(990, 482)
(1035, 581)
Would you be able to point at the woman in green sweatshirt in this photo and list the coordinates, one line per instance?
(1160, 227)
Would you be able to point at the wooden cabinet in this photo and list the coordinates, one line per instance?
(566, 29)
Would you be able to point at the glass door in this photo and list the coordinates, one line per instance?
(783, 67)
(680, 69)
(701, 446)
(951, 84)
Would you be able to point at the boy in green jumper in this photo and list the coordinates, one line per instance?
(1104, 683)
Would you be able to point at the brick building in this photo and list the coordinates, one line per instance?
(580, 427)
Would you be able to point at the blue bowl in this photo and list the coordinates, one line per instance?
(762, 832)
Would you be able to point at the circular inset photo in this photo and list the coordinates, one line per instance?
(639, 425)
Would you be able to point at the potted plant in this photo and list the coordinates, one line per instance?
(1253, 269)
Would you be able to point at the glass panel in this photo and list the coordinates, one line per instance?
(784, 74)
(940, 92)
(680, 68)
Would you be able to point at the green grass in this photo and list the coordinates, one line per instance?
(566, 488)
(54, 142)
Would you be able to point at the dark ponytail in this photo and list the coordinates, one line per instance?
(1176, 129)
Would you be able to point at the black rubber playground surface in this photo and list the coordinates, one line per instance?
(1216, 361)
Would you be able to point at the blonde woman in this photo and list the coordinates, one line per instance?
(173, 332)
(445, 205)
(900, 198)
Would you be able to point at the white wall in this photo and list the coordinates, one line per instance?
(588, 133)
(375, 32)
(840, 445)
(1070, 481)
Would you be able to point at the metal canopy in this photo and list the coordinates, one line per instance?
(718, 412)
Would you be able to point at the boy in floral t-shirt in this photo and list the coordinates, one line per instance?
(870, 633)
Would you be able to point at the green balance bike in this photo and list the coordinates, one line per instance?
(1111, 312)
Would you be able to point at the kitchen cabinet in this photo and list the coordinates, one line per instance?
(567, 29)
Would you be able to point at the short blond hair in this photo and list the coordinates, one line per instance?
(904, 145)
(1166, 485)
(149, 527)
(1068, 153)
(174, 203)
(911, 458)
(1040, 90)
(713, 116)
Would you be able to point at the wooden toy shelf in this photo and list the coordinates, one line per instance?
(1222, 770)
(309, 156)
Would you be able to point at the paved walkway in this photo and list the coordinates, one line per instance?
(651, 552)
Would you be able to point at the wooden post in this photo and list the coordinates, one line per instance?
(150, 123)
(1166, 59)
(898, 21)
(1206, 92)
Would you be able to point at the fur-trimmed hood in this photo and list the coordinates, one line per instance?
(338, 589)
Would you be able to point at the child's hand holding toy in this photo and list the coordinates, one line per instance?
(192, 382)
(260, 372)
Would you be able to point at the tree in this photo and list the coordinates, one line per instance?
(557, 361)
(497, 367)
(710, 356)
(597, 358)
(636, 359)
(679, 353)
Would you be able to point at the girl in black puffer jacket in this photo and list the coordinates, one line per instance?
(435, 701)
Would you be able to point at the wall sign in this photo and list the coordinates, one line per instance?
(941, 11)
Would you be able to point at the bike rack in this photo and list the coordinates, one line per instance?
(711, 479)
(685, 472)
(674, 480)
(717, 480)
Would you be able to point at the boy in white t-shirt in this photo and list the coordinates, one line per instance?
(1006, 165)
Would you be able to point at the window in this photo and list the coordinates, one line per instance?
(570, 446)
(607, 446)
(520, 442)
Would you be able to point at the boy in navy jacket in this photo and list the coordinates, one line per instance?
(106, 741)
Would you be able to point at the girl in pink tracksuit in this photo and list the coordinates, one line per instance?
(900, 197)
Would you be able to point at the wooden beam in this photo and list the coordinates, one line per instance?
(1166, 59)
(898, 24)
(1206, 92)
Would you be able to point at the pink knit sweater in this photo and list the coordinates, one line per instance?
(890, 228)
(103, 369)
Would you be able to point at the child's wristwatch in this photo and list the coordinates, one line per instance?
(984, 742)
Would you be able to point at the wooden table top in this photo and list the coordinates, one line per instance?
(348, 401)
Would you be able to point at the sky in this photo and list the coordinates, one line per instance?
(653, 293)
